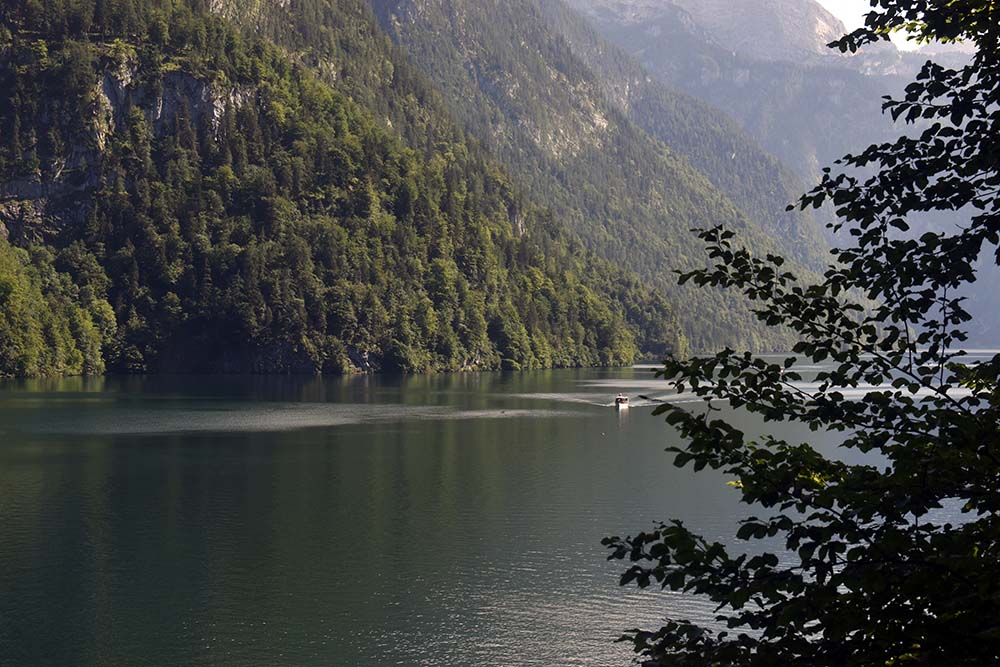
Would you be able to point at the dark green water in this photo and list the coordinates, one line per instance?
(448, 520)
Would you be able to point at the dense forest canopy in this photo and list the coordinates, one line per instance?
(194, 198)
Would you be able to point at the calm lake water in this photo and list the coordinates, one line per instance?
(449, 520)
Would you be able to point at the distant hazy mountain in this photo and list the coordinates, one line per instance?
(769, 29)
(763, 62)
(804, 107)
(765, 29)
(710, 139)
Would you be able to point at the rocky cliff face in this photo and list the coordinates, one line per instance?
(540, 98)
(178, 93)
(37, 207)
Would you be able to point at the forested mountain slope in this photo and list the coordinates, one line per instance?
(193, 198)
(518, 86)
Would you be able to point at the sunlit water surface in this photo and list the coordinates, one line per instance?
(448, 520)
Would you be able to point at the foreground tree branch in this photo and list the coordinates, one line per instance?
(874, 579)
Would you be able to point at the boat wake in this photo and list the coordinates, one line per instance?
(605, 400)
(263, 418)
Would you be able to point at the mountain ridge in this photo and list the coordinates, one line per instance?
(711, 140)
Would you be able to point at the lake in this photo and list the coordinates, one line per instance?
(436, 520)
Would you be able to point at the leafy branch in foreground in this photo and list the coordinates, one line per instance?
(870, 574)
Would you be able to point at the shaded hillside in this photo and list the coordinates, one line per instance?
(234, 213)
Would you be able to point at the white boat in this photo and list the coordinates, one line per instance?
(621, 402)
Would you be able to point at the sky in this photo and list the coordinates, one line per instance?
(852, 13)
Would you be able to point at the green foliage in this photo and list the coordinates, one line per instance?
(48, 325)
(242, 215)
(870, 575)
